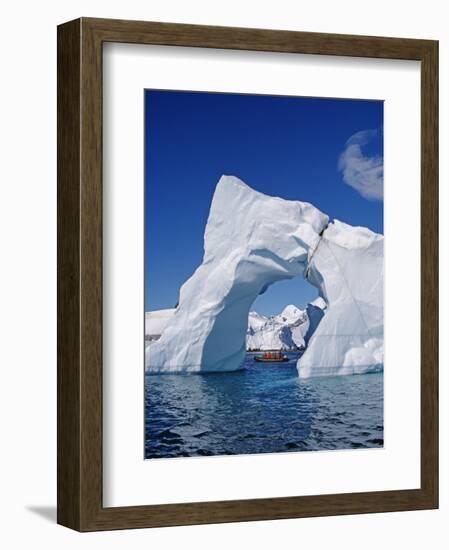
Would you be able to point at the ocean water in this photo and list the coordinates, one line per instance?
(265, 408)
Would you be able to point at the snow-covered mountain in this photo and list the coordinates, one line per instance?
(285, 331)
(289, 330)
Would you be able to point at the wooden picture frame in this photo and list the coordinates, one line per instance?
(80, 504)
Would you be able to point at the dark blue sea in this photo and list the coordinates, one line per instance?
(265, 408)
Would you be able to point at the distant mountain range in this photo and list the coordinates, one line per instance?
(289, 330)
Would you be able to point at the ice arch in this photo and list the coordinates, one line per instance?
(251, 241)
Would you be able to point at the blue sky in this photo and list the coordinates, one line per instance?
(325, 151)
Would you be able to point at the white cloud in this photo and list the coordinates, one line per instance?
(365, 174)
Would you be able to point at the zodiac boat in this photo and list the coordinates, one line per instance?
(271, 357)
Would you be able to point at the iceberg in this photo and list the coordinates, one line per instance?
(252, 241)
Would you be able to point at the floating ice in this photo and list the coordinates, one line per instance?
(347, 267)
(253, 240)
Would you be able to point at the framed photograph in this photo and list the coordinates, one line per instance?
(247, 274)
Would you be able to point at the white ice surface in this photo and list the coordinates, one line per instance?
(347, 268)
(251, 241)
(267, 239)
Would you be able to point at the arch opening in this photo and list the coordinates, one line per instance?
(278, 293)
